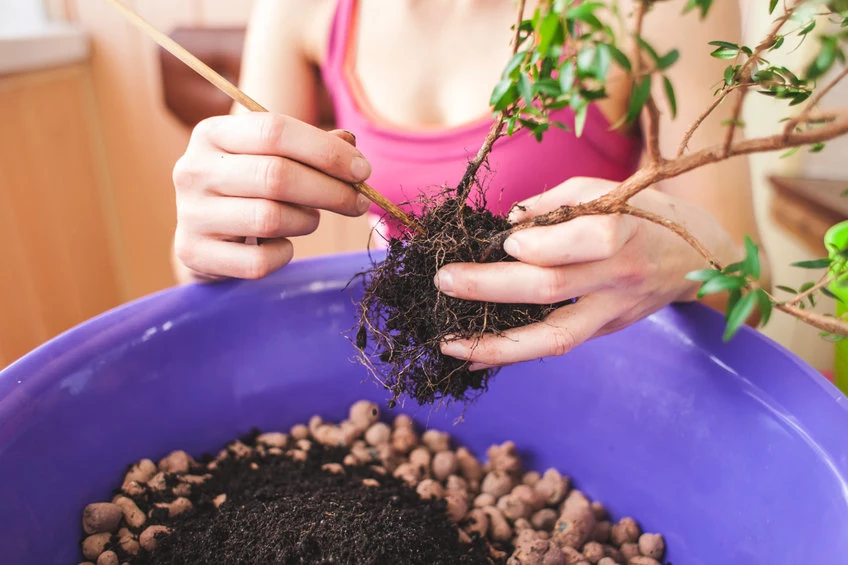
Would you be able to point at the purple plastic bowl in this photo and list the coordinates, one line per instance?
(736, 452)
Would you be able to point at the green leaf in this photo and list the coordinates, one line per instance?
(720, 284)
(585, 12)
(504, 94)
(825, 59)
(525, 88)
(739, 314)
(730, 74)
(817, 147)
(725, 44)
(547, 86)
(548, 32)
(778, 43)
(669, 93)
(752, 259)
(620, 57)
(668, 59)
(513, 65)
(725, 53)
(580, 119)
(765, 304)
(772, 6)
(638, 98)
(827, 292)
(703, 275)
(788, 289)
(814, 264)
(649, 48)
(733, 268)
(806, 286)
(566, 77)
(789, 153)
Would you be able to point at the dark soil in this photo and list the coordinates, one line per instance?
(404, 317)
(287, 512)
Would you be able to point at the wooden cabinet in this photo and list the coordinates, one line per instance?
(59, 256)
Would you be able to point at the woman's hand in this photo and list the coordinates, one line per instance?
(264, 176)
(622, 269)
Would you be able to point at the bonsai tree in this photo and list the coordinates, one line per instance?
(561, 58)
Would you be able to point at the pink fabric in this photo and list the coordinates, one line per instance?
(405, 163)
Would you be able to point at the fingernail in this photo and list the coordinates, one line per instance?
(444, 281)
(362, 204)
(360, 169)
(454, 349)
(352, 136)
(511, 246)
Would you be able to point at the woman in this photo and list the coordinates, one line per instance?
(412, 79)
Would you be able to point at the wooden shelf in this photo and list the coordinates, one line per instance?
(807, 207)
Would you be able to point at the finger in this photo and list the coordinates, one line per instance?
(270, 134)
(216, 258)
(253, 217)
(583, 239)
(284, 180)
(562, 331)
(573, 191)
(346, 135)
(513, 282)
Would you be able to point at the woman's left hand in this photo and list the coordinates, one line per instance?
(622, 268)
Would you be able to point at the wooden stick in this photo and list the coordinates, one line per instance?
(239, 96)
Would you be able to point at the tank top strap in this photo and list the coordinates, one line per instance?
(339, 37)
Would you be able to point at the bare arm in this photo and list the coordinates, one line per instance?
(264, 176)
(723, 189)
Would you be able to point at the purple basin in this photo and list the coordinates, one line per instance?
(737, 452)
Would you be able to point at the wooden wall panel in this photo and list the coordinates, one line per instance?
(58, 262)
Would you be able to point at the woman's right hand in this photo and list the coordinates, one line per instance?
(258, 175)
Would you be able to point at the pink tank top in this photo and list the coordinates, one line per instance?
(406, 163)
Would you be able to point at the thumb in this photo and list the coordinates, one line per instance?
(346, 135)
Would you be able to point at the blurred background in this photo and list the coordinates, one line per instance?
(93, 117)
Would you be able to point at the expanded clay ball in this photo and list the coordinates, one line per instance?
(593, 551)
(273, 439)
(364, 413)
(552, 487)
(576, 521)
(457, 484)
(435, 440)
(528, 496)
(133, 516)
(101, 517)
(599, 510)
(444, 464)
(544, 519)
(328, 435)
(108, 558)
(378, 434)
(299, 432)
(457, 506)
(408, 473)
(127, 542)
(537, 552)
(404, 438)
(177, 507)
(429, 489)
(94, 545)
(531, 478)
(624, 531)
(469, 466)
(513, 507)
(141, 472)
(652, 545)
(504, 457)
(629, 550)
(147, 539)
(420, 457)
(607, 561)
(571, 555)
(485, 499)
(176, 462)
(403, 421)
(158, 483)
(499, 528)
(496, 483)
(642, 560)
(477, 522)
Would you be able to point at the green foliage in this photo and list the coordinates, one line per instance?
(567, 48)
